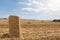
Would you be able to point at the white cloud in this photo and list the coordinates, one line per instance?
(39, 6)
(52, 5)
(24, 3)
(30, 1)
(31, 9)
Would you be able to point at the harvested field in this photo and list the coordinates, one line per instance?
(34, 29)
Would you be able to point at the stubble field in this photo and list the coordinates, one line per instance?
(34, 29)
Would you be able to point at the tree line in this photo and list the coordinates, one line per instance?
(55, 20)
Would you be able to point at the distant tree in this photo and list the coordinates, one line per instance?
(4, 18)
(56, 20)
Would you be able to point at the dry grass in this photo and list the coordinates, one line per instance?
(36, 29)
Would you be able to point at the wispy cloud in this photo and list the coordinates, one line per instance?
(53, 5)
(49, 8)
(25, 3)
(31, 9)
(37, 6)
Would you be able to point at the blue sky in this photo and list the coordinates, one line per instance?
(31, 9)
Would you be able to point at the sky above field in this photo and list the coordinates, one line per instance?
(31, 9)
